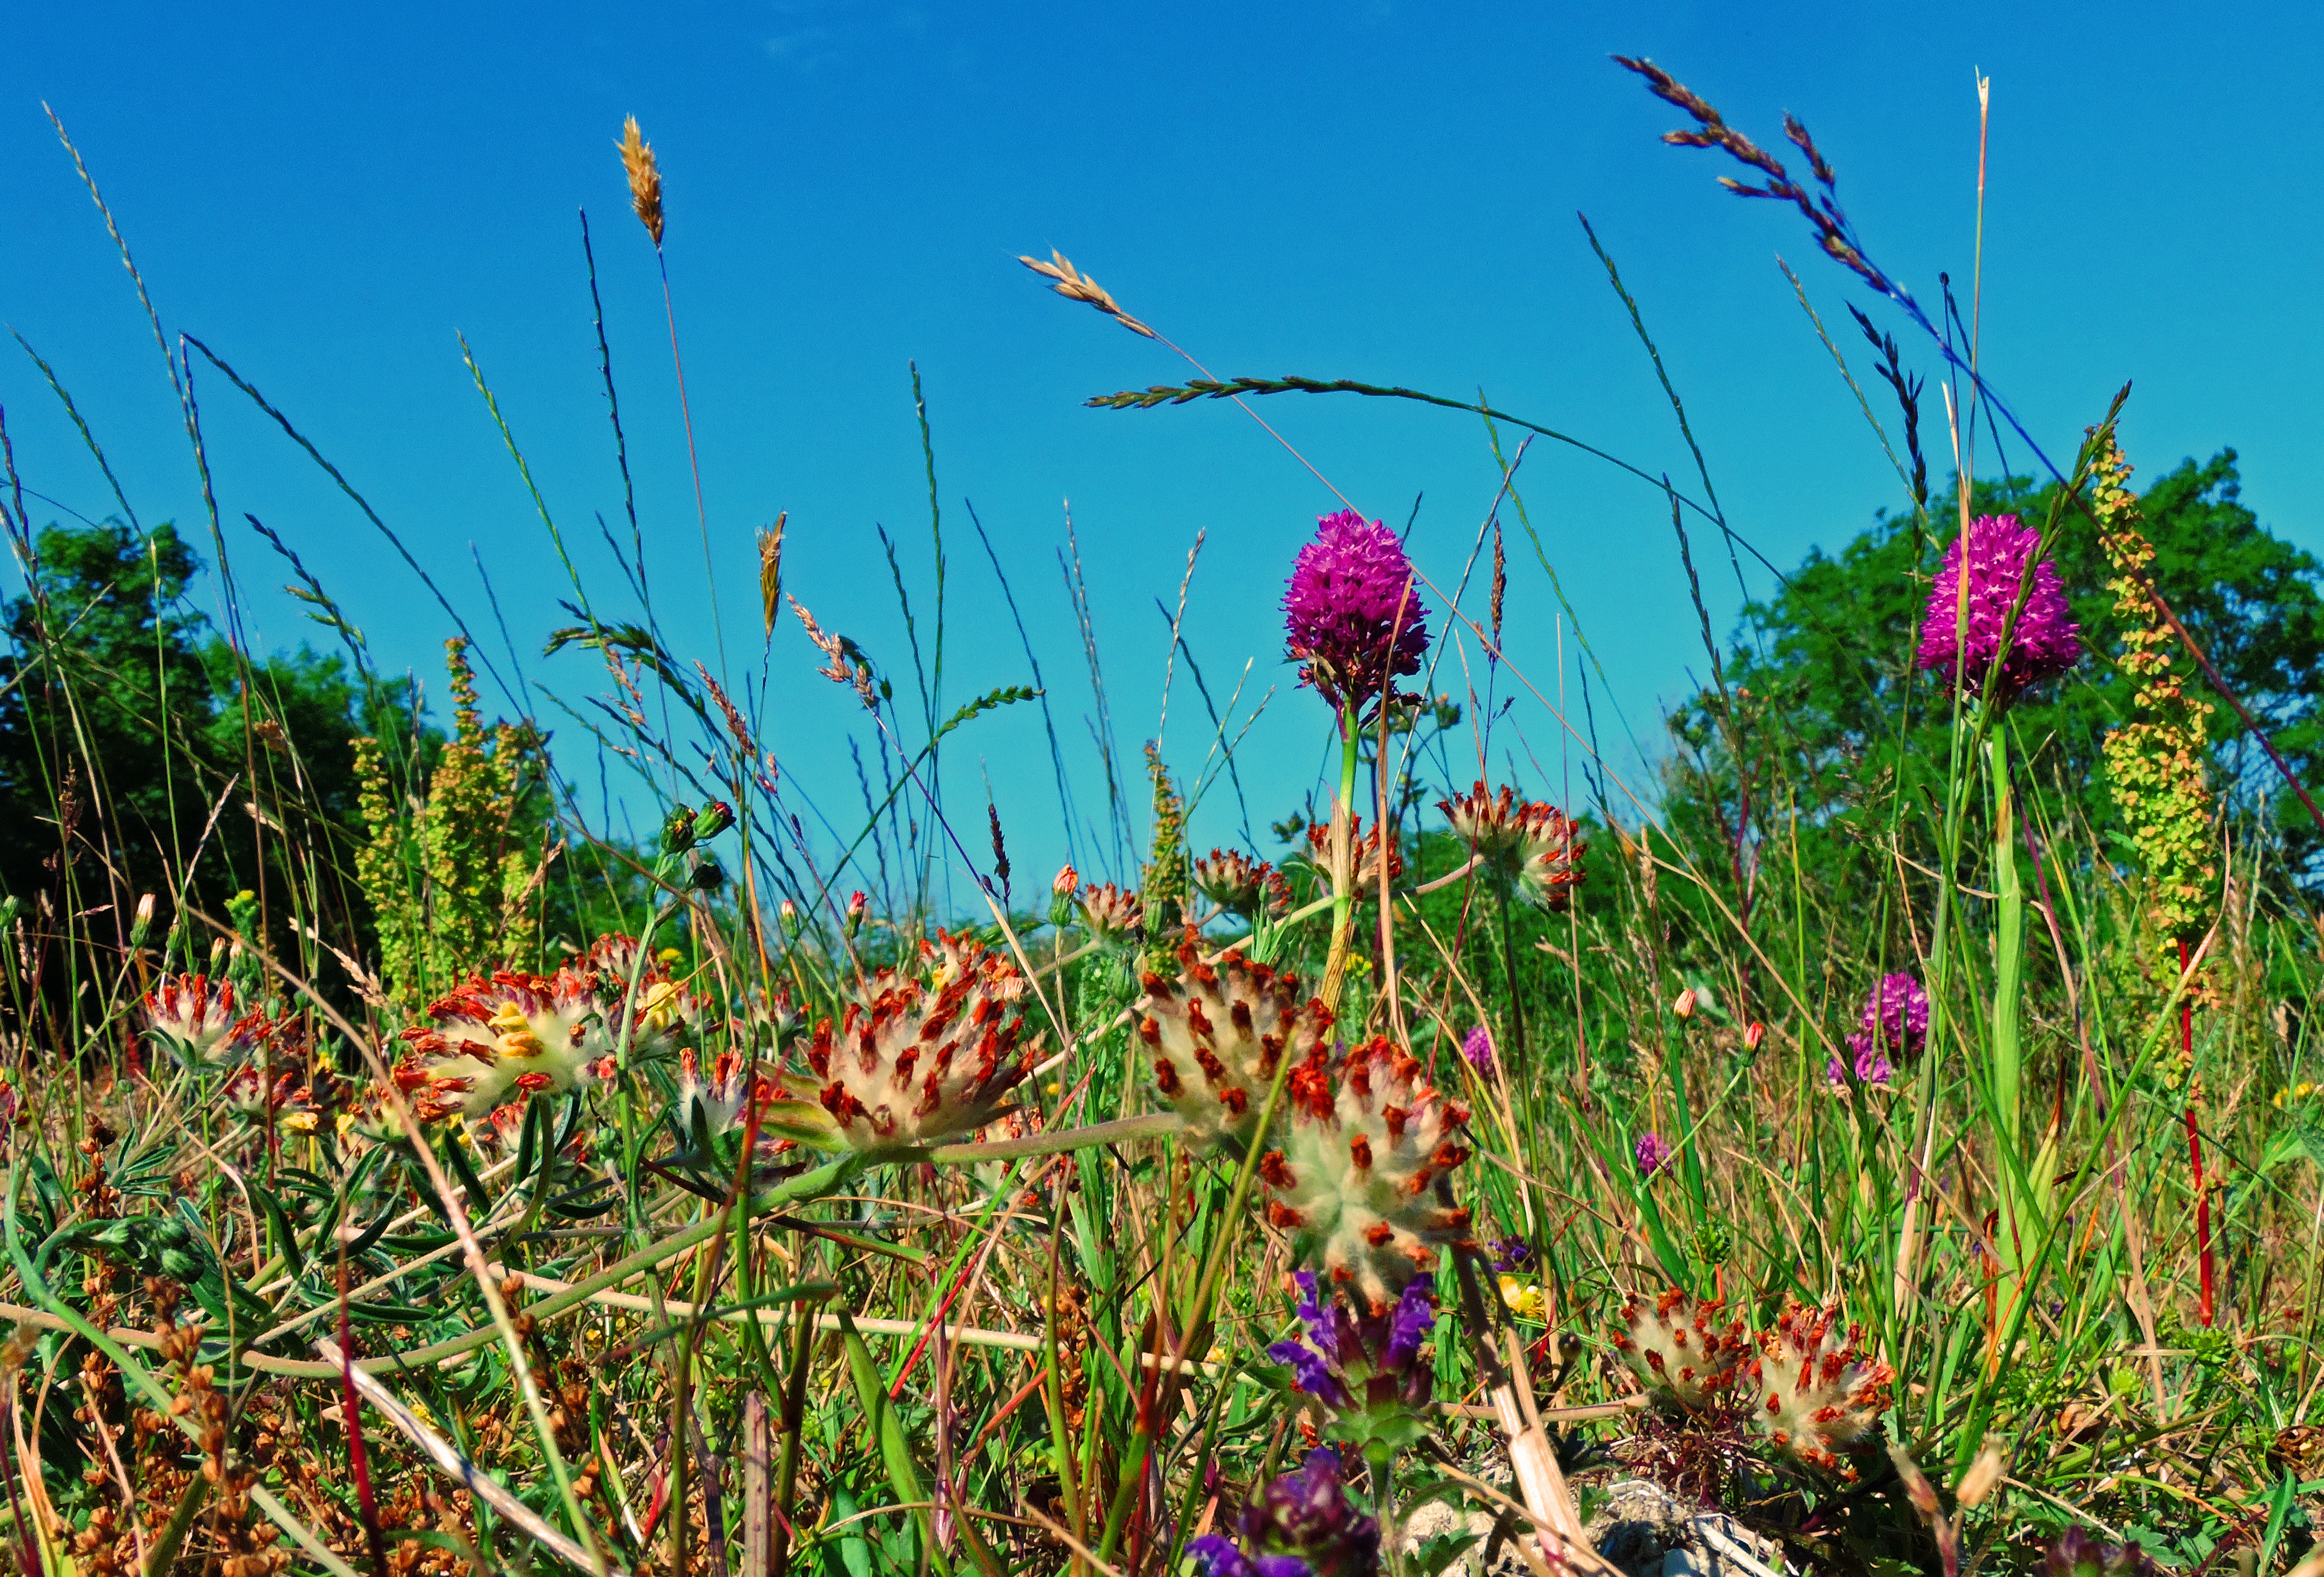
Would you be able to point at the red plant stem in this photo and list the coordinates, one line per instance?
(358, 1459)
(2195, 1151)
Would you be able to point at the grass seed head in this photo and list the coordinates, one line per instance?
(645, 178)
(1075, 285)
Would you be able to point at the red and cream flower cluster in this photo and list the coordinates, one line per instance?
(1530, 842)
(511, 1035)
(1806, 1383)
(1357, 1162)
(922, 1058)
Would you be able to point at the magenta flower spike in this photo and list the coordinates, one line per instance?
(1477, 1046)
(1896, 1014)
(1352, 616)
(1653, 1153)
(1873, 1070)
(2047, 641)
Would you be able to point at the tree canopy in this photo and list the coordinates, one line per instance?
(1833, 722)
(138, 749)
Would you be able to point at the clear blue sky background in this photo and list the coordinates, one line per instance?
(1381, 190)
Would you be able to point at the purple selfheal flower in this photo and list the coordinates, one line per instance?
(1478, 1048)
(2046, 640)
(1302, 1525)
(1511, 1253)
(1653, 1154)
(1898, 1012)
(1873, 1070)
(1365, 1368)
(1352, 616)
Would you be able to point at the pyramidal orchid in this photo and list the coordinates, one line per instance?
(1352, 616)
(2045, 641)
(1897, 1013)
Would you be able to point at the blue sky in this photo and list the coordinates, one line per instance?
(1381, 191)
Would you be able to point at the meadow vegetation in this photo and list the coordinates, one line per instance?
(1894, 1127)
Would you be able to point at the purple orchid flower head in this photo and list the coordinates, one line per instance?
(1654, 1152)
(2045, 642)
(1352, 616)
(1477, 1046)
(1301, 1524)
(1896, 1014)
(1873, 1070)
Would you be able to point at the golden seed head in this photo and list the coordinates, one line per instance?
(645, 178)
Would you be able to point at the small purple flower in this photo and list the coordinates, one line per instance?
(1302, 1525)
(1873, 1070)
(1311, 1372)
(1897, 1013)
(1511, 1254)
(1478, 1048)
(1653, 1154)
(1414, 1317)
(1353, 614)
(1365, 1368)
(2045, 641)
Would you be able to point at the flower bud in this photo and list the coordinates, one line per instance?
(856, 905)
(789, 918)
(716, 818)
(1061, 896)
(143, 923)
(708, 875)
(1684, 1005)
(678, 830)
(1753, 1034)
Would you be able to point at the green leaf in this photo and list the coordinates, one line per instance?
(895, 1451)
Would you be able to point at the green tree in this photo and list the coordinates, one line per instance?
(139, 753)
(1836, 724)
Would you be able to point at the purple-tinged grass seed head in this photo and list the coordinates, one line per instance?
(2047, 641)
(1352, 616)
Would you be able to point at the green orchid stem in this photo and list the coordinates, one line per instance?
(1344, 860)
(2008, 965)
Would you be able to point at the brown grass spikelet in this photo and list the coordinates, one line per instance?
(770, 571)
(1075, 285)
(848, 664)
(645, 178)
